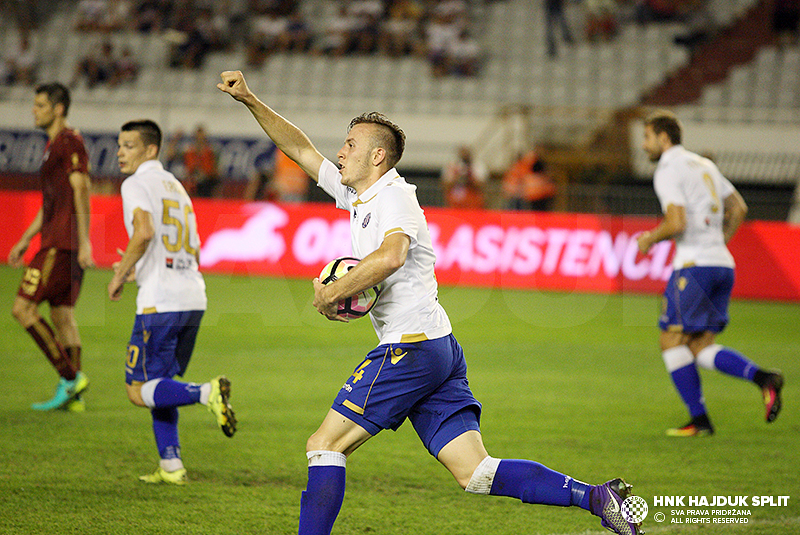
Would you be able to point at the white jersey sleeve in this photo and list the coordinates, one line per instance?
(398, 213)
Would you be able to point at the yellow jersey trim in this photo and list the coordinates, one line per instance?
(392, 231)
(149, 310)
(352, 406)
(411, 338)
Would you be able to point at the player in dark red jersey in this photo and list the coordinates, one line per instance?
(55, 273)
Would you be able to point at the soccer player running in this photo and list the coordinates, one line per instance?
(162, 256)
(418, 371)
(702, 211)
(56, 271)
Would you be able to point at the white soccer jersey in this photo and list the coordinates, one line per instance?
(686, 179)
(408, 310)
(167, 274)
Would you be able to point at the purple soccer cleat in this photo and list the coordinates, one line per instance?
(605, 501)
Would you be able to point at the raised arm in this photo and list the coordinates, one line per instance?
(288, 138)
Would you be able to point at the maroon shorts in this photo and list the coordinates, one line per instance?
(53, 275)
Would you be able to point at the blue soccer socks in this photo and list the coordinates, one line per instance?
(680, 364)
(533, 482)
(165, 429)
(321, 501)
(727, 360)
(161, 393)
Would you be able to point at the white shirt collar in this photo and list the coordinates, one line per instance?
(155, 165)
(373, 190)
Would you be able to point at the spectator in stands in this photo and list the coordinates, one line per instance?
(191, 36)
(786, 22)
(656, 11)
(399, 33)
(441, 31)
(554, 16)
(526, 186)
(150, 15)
(126, 68)
(464, 181)
(601, 19)
(103, 15)
(282, 181)
(200, 163)
(173, 155)
(340, 33)
(97, 67)
(268, 34)
(298, 33)
(369, 14)
(463, 55)
(21, 64)
(90, 14)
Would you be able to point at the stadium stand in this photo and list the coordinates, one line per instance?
(521, 95)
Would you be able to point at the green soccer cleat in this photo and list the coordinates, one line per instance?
(219, 406)
(65, 392)
(178, 477)
(76, 404)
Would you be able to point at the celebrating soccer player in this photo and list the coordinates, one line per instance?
(702, 211)
(55, 273)
(418, 370)
(162, 256)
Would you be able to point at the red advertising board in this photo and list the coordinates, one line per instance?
(567, 252)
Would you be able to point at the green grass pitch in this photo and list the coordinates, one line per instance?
(573, 381)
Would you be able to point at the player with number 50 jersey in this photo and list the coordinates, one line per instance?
(162, 256)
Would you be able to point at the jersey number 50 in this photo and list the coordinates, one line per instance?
(183, 233)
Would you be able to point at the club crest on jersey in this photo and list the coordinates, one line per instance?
(366, 220)
(169, 263)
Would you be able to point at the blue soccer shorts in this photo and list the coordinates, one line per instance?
(161, 345)
(696, 300)
(425, 382)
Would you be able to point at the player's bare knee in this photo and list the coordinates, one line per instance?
(318, 442)
(24, 312)
(135, 395)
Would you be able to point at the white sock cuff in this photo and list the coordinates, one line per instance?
(148, 392)
(326, 458)
(483, 476)
(171, 465)
(205, 393)
(677, 357)
(705, 358)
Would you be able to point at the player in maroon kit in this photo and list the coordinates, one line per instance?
(56, 272)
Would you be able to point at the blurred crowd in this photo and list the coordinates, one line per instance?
(443, 31)
(438, 29)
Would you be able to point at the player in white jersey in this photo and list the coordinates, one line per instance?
(418, 370)
(702, 211)
(162, 256)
